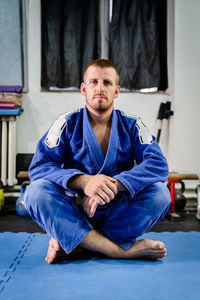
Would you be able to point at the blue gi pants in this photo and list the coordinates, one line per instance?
(122, 220)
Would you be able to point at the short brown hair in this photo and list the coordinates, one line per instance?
(102, 63)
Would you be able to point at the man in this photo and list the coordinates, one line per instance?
(115, 166)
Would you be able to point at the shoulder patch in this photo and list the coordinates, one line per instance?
(129, 115)
(144, 133)
(53, 137)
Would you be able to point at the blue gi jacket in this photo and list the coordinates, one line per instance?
(70, 148)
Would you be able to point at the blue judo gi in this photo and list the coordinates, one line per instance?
(70, 148)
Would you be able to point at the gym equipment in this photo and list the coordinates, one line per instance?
(162, 125)
(20, 208)
(180, 200)
(176, 178)
(160, 117)
(2, 199)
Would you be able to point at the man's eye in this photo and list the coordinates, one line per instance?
(94, 81)
(106, 82)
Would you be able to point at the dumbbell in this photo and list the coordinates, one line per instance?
(20, 207)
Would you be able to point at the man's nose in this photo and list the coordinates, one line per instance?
(100, 86)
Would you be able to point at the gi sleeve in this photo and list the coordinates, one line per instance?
(151, 165)
(51, 152)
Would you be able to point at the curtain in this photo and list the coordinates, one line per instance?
(138, 43)
(70, 37)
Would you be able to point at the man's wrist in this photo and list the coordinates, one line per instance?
(78, 182)
(120, 186)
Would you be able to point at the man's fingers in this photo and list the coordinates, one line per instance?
(85, 204)
(102, 196)
(102, 188)
(48, 253)
(111, 179)
(110, 183)
(89, 206)
(112, 187)
(92, 209)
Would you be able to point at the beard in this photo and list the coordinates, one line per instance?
(101, 105)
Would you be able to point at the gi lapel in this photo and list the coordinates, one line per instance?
(109, 162)
(106, 164)
(93, 145)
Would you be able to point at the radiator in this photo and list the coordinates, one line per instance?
(8, 150)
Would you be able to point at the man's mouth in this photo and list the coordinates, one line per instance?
(100, 96)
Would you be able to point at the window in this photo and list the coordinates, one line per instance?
(131, 33)
(13, 49)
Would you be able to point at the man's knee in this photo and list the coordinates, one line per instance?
(163, 193)
(35, 194)
(160, 195)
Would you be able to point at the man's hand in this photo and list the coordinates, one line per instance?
(89, 206)
(101, 188)
(98, 189)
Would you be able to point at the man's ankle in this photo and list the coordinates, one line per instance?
(118, 252)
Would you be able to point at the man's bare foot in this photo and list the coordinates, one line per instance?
(147, 248)
(55, 251)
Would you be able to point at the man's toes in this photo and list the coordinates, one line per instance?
(161, 253)
(158, 245)
(51, 258)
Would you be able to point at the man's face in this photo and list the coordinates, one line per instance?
(100, 88)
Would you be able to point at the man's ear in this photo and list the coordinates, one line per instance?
(83, 89)
(117, 91)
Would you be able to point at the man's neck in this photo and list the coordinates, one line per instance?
(100, 117)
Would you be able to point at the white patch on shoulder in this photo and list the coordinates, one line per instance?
(53, 137)
(144, 133)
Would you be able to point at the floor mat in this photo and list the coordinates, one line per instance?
(24, 274)
(11, 247)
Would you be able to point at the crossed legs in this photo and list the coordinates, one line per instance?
(88, 238)
(95, 241)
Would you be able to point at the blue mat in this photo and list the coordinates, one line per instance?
(24, 274)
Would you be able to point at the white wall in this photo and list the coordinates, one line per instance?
(185, 147)
(41, 108)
